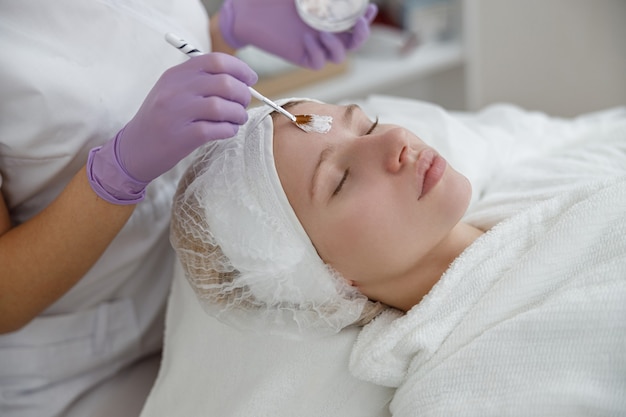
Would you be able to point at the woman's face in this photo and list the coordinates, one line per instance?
(374, 199)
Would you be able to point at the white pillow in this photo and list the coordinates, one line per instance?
(210, 369)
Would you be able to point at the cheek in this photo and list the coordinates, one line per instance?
(361, 236)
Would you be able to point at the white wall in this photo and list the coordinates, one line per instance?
(212, 5)
(564, 57)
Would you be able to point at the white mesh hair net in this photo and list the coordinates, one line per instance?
(243, 249)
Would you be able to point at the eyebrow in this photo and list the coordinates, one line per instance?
(323, 157)
(328, 150)
(349, 112)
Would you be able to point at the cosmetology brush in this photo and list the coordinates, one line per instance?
(306, 122)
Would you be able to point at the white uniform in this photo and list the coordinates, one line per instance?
(73, 72)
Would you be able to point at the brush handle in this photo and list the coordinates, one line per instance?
(182, 45)
(272, 104)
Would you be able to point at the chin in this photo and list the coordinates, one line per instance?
(458, 192)
(468, 192)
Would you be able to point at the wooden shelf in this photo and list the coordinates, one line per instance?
(283, 83)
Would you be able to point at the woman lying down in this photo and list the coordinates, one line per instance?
(514, 304)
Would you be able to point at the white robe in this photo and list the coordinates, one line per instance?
(73, 73)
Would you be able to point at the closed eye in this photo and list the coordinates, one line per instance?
(343, 180)
(371, 129)
(346, 173)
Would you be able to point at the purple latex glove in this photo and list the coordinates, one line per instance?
(276, 27)
(200, 100)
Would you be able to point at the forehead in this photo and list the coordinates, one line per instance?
(303, 108)
(284, 127)
(293, 141)
(296, 152)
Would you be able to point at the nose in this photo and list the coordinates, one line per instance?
(392, 148)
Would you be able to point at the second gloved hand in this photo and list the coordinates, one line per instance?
(276, 27)
(200, 100)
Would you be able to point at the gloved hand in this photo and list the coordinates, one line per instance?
(200, 100)
(276, 27)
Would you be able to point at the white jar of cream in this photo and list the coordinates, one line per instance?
(331, 15)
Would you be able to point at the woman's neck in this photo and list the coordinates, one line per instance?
(406, 292)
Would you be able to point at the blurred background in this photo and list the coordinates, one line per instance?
(562, 57)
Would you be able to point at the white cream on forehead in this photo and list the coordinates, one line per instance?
(317, 124)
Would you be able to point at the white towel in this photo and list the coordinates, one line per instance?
(530, 320)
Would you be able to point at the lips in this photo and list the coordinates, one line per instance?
(430, 169)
